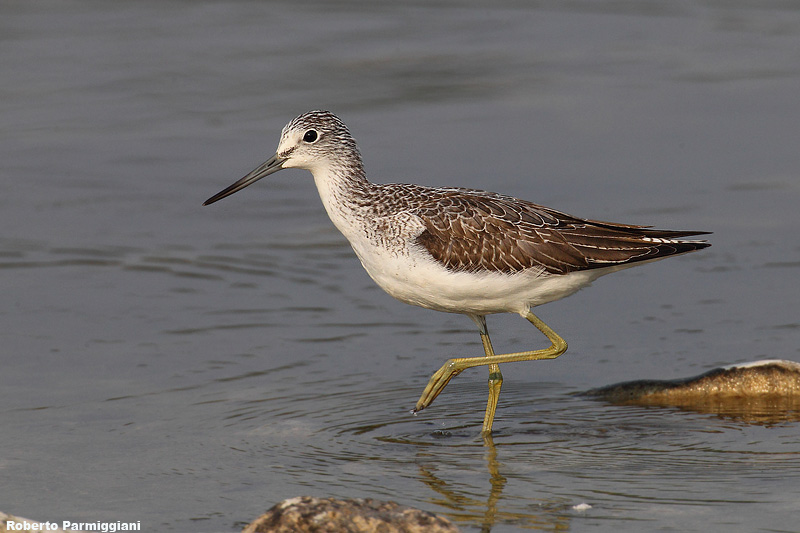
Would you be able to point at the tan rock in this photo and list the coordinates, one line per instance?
(329, 515)
(760, 392)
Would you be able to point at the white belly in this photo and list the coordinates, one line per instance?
(417, 279)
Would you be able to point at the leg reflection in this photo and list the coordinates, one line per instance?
(497, 482)
(465, 508)
(460, 503)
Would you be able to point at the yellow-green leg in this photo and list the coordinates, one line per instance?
(453, 367)
(495, 378)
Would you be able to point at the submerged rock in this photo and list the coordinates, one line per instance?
(329, 515)
(766, 391)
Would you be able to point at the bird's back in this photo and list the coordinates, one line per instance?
(472, 231)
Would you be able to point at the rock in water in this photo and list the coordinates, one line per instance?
(758, 392)
(329, 515)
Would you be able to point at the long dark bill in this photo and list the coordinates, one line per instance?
(270, 166)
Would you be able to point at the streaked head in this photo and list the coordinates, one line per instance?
(315, 141)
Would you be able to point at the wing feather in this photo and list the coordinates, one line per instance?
(473, 231)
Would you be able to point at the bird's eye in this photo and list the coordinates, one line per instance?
(310, 136)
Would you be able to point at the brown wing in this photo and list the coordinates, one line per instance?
(474, 231)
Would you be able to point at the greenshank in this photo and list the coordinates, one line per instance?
(460, 250)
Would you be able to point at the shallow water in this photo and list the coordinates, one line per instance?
(189, 367)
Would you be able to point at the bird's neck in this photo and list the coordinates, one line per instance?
(345, 192)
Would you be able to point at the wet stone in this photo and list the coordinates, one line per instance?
(746, 380)
(760, 392)
(329, 515)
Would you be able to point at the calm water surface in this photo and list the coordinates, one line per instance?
(189, 367)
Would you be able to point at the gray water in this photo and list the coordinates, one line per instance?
(188, 366)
